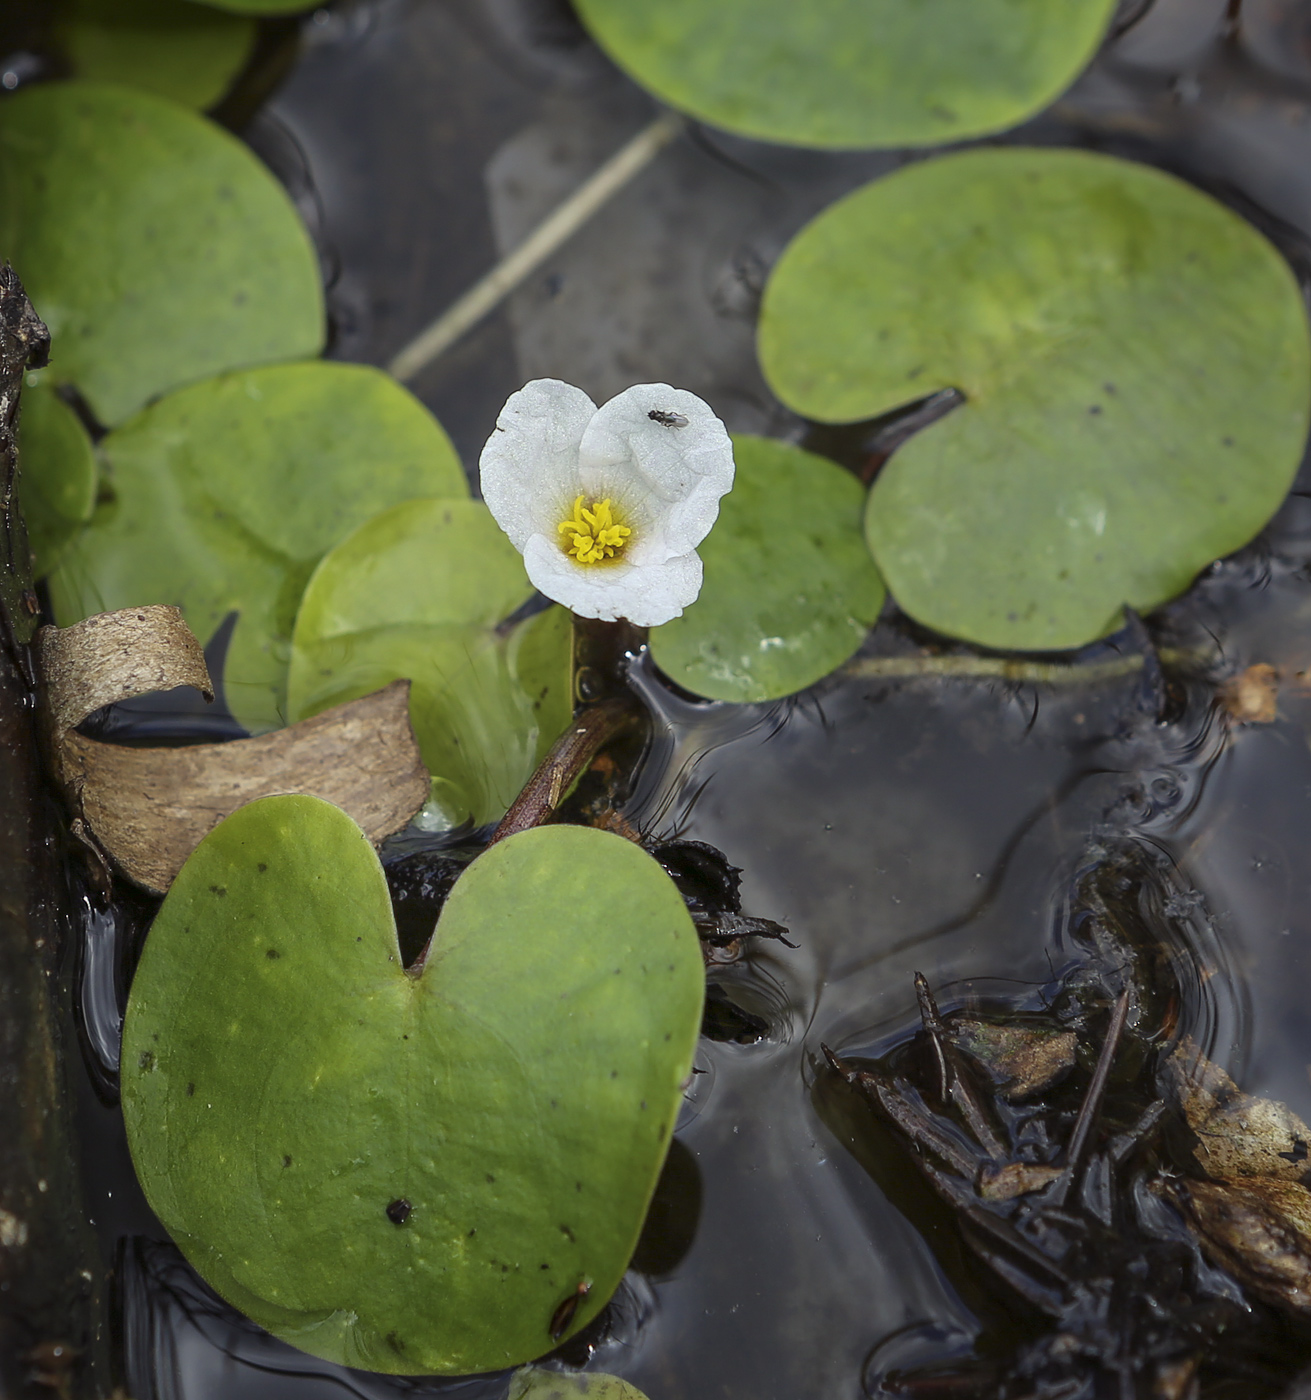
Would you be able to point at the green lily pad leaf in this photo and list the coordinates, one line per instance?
(852, 73)
(409, 1173)
(156, 247)
(790, 590)
(169, 47)
(537, 1383)
(59, 476)
(1136, 369)
(418, 593)
(228, 493)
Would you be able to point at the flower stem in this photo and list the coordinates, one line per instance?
(604, 708)
(571, 755)
(601, 655)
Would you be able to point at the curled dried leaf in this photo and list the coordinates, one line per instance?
(149, 808)
(116, 656)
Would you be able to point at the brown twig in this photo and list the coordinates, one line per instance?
(570, 756)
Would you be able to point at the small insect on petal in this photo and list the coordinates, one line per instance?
(642, 497)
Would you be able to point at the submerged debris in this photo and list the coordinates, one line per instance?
(710, 887)
(1252, 696)
(1143, 1274)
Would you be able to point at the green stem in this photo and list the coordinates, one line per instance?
(1004, 668)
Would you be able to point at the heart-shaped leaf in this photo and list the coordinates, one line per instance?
(409, 1173)
(790, 590)
(1134, 359)
(154, 244)
(228, 493)
(185, 52)
(417, 593)
(852, 72)
(59, 475)
(537, 1383)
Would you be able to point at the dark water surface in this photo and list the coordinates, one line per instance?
(893, 826)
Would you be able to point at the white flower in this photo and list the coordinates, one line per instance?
(607, 505)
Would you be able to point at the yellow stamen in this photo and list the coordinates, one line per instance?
(595, 534)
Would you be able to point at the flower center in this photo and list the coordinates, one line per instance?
(593, 535)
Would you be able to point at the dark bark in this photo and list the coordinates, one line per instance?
(50, 1279)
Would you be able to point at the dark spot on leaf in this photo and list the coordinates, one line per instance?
(543, 1266)
(1227, 442)
(614, 1074)
(261, 867)
(578, 1185)
(286, 1160)
(490, 1177)
(272, 953)
(564, 1314)
(505, 1268)
(219, 890)
(399, 1210)
(642, 1105)
(473, 1230)
(1095, 409)
(395, 1343)
(191, 1091)
(568, 1234)
(1110, 388)
(147, 1060)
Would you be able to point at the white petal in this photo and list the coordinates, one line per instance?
(529, 467)
(646, 594)
(673, 472)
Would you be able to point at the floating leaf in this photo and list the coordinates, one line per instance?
(185, 52)
(418, 593)
(853, 72)
(790, 589)
(228, 493)
(1134, 359)
(537, 1383)
(409, 1173)
(59, 475)
(157, 248)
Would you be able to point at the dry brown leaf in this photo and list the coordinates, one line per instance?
(1021, 1060)
(1252, 696)
(1257, 1229)
(1237, 1134)
(150, 808)
(116, 656)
